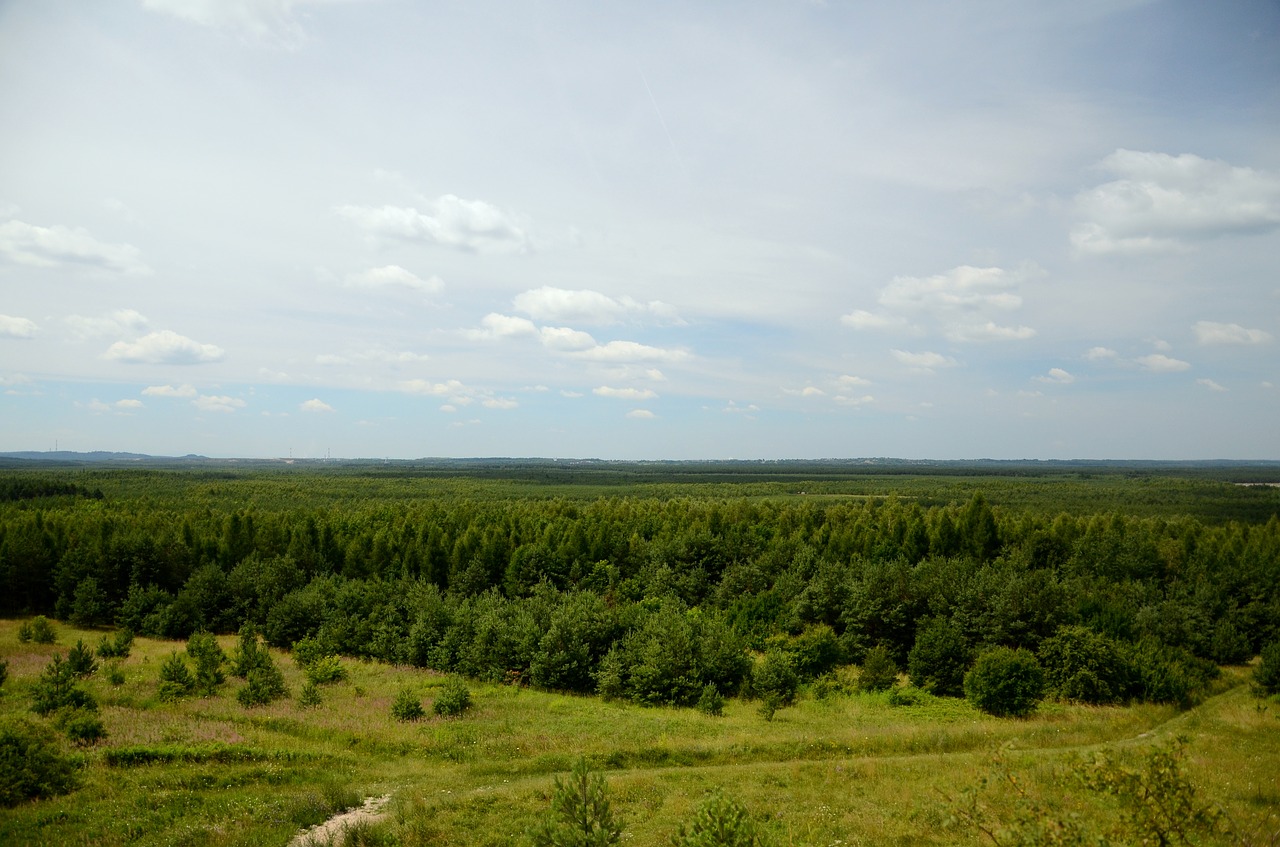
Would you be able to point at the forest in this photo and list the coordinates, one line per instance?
(673, 585)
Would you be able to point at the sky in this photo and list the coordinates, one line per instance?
(759, 229)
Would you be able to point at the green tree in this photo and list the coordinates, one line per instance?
(1266, 676)
(1005, 682)
(407, 706)
(581, 814)
(939, 659)
(32, 763)
(879, 672)
(80, 660)
(204, 650)
(56, 689)
(176, 680)
(453, 699)
(719, 822)
(1085, 666)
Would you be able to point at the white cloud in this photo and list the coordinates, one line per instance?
(11, 327)
(641, 415)
(624, 393)
(1057, 376)
(1210, 384)
(848, 380)
(165, 347)
(315, 405)
(119, 322)
(862, 319)
(1098, 354)
(169, 391)
(494, 325)
(332, 359)
(1161, 363)
(631, 351)
(217, 403)
(272, 22)
(926, 361)
(1209, 332)
(588, 307)
(449, 388)
(963, 287)
(128, 404)
(394, 276)
(989, 331)
(564, 338)
(62, 247)
(734, 409)
(1161, 203)
(845, 400)
(499, 403)
(471, 225)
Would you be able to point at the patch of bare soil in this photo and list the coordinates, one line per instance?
(329, 831)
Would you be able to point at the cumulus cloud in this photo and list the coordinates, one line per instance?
(217, 403)
(494, 325)
(926, 361)
(128, 404)
(63, 247)
(499, 403)
(641, 415)
(449, 388)
(271, 22)
(1100, 354)
(584, 306)
(564, 338)
(394, 276)
(849, 380)
(734, 409)
(119, 322)
(1209, 332)
(1057, 376)
(848, 400)
(450, 221)
(315, 405)
(169, 391)
(1210, 384)
(1160, 363)
(989, 331)
(862, 319)
(1159, 203)
(11, 327)
(631, 351)
(163, 348)
(624, 393)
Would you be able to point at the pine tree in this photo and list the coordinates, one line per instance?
(581, 815)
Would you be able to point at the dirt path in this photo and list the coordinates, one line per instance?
(329, 831)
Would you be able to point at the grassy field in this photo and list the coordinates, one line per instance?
(842, 770)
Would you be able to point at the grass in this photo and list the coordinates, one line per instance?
(848, 769)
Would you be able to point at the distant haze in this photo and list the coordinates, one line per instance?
(372, 228)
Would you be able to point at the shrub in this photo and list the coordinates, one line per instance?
(81, 726)
(454, 699)
(39, 630)
(581, 814)
(1005, 682)
(938, 661)
(32, 763)
(309, 696)
(775, 678)
(306, 651)
(1085, 666)
(80, 660)
(56, 689)
(4, 672)
(1266, 676)
(116, 648)
(1167, 674)
(176, 680)
(115, 674)
(719, 822)
(407, 706)
(879, 673)
(711, 702)
(326, 670)
(908, 696)
(265, 684)
(1228, 645)
(249, 653)
(205, 651)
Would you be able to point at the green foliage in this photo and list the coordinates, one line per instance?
(711, 701)
(939, 659)
(307, 651)
(249, 653)
(32, 763)
(407, 706)
(814, 652)
(309, 697)
(115, 674)
(879, 672)
(1168, 674)
(4, 672)
(207, 653)
(325, 671)
(1085, 666)
(117, 647)
(89, 605)
(719, 822)
(581, 813)
(1266, 676)
(82, 727)
(39, 630)
(57, 689)
(908, 696)
(176, 681)
(1005, 682)
(263, 685)
(453, 699)
(80, 660)
(774, 680)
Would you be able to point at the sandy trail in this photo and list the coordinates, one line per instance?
(328, 832)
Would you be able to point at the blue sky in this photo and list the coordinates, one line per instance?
(382, 228)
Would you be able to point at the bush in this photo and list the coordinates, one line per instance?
(265, 684)
(454, 699)
(711, 702)
(938, 661)
(81, 726)
(1005, 682)
(775, 679)
(306, 651)
(407, 706)
(39, 630)
(1266, 676)
(204, 650)
(176, 680)
(581, 814)
(908, 696)
(116, 648)
(115, 675)
(56, 689)
(326, 670)
(249, 653)
(879, 673)
(1085, 666)
(719, 822)
(32, 763)
(80, 660)
(1166, 674)
(309, 696)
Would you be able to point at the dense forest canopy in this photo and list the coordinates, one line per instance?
(652, 581)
